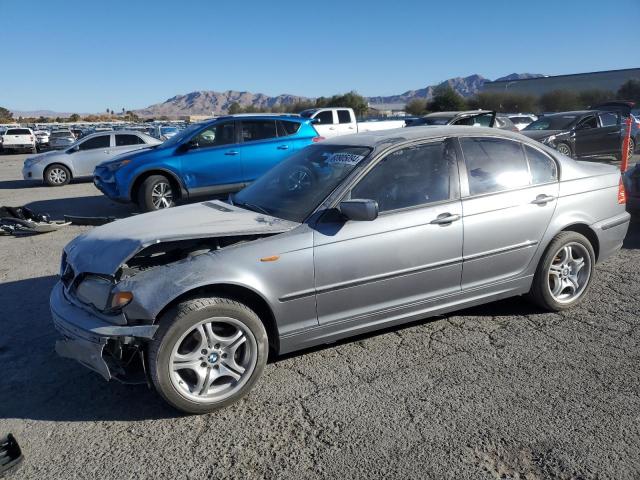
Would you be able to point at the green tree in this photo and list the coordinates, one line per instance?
(235, 108)
(5, 115)
(559, 101)
(348, 100)
(446, 99)
(74, 118)
(630, 90)
(503, 102)
(417, 107)
(589, 98)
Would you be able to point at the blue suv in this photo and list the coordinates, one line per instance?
(209, 158)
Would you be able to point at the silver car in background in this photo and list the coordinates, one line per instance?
(346, 236)
(60, 139)
(78, 160)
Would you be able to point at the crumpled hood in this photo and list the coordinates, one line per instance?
(104, 249)
(540, 134)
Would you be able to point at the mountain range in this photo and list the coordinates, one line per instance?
(209, 102)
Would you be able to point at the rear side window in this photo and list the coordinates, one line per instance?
(608, 119)
(344, 116)
(101, 141)
(409, 177)
(324, 118)
(18, 131)
(543, 169)
(494, 165)
(287, 128)
(122, 140)
(253, 130)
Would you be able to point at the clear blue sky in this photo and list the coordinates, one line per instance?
(85, 56)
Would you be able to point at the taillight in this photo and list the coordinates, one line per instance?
(317, 139)
(31, 137)
(622, 195)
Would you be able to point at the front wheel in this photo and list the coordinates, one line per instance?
(207, 353)
(57, 175)
(564, 273)
(156, 193)
(564, 149)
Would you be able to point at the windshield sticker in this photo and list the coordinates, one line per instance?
(344, 159)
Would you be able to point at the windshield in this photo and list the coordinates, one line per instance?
(435, 120)
(555, 122)
(294, 188)
(61, 135)
(186, 133)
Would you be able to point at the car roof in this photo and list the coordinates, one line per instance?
(456, 113)
(573, 112)
(262, 116)
(426, 132)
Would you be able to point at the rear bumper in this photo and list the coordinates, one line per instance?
(85, 336)
(611, 233)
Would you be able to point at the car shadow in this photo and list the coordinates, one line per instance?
(632, 240)
(15, 184)
(88, 206)
(39, 385)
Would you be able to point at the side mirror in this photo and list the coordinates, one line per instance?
(359, 209)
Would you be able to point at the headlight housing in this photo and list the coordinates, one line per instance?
(112, 167)
(549, 140)
(95, 290)
(31, 161)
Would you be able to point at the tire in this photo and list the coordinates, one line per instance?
(565, 149)
(557, 286)
(156, 193)
(34, 150)
(57, 175)
(178, 342)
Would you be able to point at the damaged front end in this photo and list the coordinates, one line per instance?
(100, 305)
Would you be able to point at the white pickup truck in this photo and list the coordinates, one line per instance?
(19, 139)
(331, 122)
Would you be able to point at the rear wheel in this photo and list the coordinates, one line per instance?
(57, 175)
(564, 273)
(207, 353)
(156, 193)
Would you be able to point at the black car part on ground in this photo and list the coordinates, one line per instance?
(10, 454)
(24, 221)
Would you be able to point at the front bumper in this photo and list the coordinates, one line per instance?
(109, 188)
(85, 336)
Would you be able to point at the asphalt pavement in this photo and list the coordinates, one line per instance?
(499, 391)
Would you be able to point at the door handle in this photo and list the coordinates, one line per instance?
(543, 199)
(232, 152)
(332, 128)
(283, 147)
(445, 219)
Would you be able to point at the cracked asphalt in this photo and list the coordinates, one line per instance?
(499, 391)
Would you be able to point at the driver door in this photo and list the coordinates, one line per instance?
(90, 153)
(406, 258)
(212, 160)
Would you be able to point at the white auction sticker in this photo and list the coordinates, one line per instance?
(344, 159)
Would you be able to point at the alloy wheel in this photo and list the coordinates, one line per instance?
(161, 195)
(213, 359)
(569, 272)
(564, 149)
(57, 176)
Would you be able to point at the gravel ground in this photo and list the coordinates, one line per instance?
(499, 391)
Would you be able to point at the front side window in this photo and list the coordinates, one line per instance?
(324, 118)
(215, 135)
(101, 141)
(588, 123)
(123, 140)
(344, 116)
(543, 169)
(494, 165)
(409, 177)
(253, 130)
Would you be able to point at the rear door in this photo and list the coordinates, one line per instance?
(506, 207)
(261, 147)
(346, 122)
(89, 153)
(588, 136)
(125, 142)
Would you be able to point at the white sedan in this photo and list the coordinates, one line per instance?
(57, 168)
